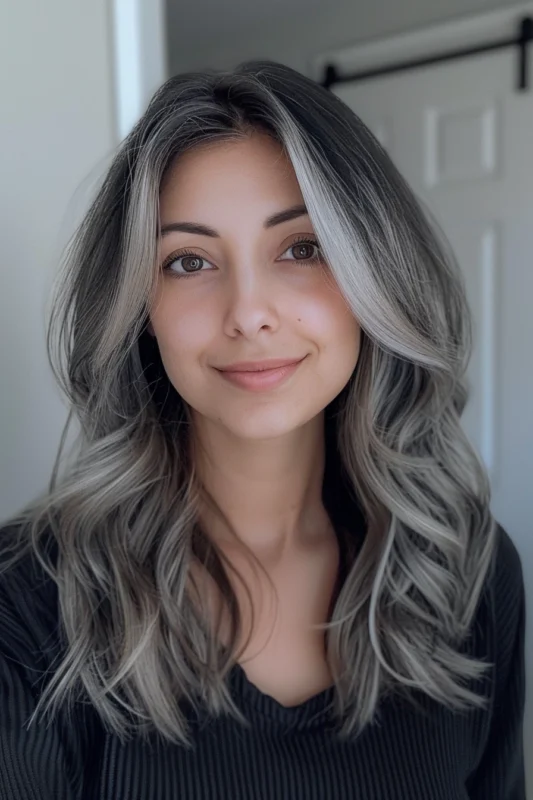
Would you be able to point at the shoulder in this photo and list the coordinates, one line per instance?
(508, 571)
(501, 613)
(506, 583)
(28, 601)
(497, 630)
(50, 759)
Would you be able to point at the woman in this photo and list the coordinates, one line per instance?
(271, 571)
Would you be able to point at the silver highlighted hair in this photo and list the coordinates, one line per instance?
(123, 516)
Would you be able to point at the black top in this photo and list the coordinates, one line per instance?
(411, 752)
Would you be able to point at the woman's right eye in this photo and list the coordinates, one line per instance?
(192, 263)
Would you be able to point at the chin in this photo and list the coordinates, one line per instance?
(266, 424)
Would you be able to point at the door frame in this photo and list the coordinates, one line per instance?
(139, 57)
(464, 31)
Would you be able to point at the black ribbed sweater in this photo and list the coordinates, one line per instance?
(419, 751)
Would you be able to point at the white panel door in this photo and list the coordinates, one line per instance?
(463, 137)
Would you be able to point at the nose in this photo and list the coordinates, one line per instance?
(250, 303)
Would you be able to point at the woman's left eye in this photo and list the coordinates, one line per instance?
(303, 249)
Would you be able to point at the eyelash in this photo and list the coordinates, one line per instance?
(165, 267)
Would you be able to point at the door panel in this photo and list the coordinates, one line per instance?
(462, 136)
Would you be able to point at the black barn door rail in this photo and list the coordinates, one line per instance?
(520, 41)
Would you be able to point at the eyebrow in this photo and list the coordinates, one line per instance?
(204, 230)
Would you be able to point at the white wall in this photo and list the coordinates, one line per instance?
(294, 38)
(56, 127)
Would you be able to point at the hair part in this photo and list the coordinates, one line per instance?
(125, 514)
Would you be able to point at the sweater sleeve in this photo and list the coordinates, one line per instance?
(40, 761)
(500, 773)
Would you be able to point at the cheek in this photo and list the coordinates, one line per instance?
(177, 325)
(337, 334)
(182, 335)
(327, 318)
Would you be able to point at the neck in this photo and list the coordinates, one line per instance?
(269, 491)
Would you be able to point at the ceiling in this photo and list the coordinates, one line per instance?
(231, 17)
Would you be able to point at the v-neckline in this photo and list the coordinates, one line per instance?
(254, 701)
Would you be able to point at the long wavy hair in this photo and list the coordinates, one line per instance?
(124, 515)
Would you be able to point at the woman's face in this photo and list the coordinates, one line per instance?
(247, 292)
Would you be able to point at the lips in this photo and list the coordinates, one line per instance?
(262, 379)
(260, 366)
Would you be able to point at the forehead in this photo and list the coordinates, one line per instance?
(249, 168)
